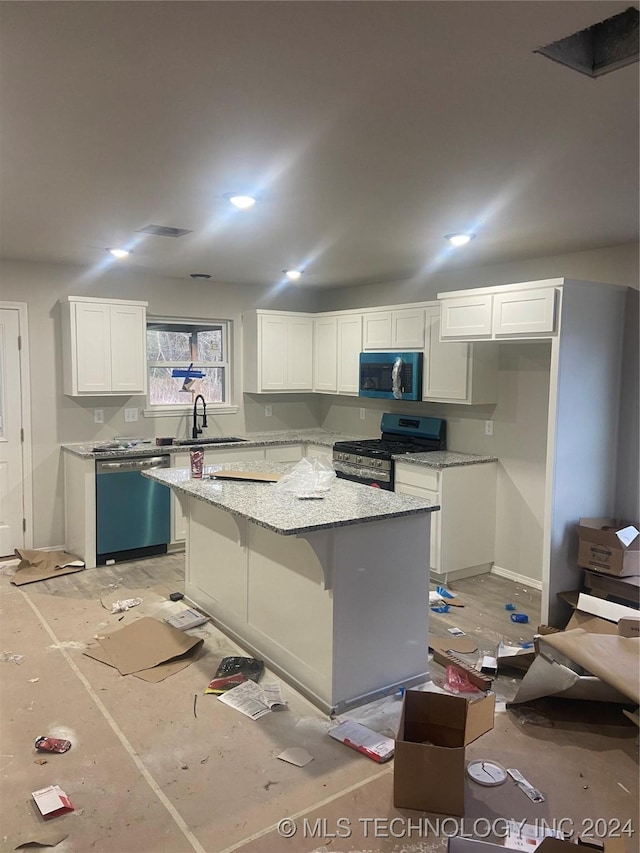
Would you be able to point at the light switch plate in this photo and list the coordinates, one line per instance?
(130, 415)
(488, 427)
(268, 411)
(98, 416)
(363, 414)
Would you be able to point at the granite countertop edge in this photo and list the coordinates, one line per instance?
(282, 515)
(435, 459)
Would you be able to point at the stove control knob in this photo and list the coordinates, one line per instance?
(359, 459)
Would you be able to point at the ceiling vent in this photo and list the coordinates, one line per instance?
(599, 49)
(164, 231)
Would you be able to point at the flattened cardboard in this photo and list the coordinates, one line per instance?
(148, 648)
(458, 645)
(614, 660)
(249, 476)
(601, 549)
(41, 565)
(429, 766)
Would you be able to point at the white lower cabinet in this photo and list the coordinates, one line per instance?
(463, 531)
(318, 451)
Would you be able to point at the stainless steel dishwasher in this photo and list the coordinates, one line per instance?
(133, 513)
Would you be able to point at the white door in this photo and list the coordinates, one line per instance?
(15, 492)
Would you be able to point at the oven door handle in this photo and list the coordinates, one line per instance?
(363, 473)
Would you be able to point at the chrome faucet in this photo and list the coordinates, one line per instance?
(195, 432)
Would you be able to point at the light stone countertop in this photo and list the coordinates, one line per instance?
(434, 459)
(346, 503)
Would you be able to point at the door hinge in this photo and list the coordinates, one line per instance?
(19, 341)
(22, 434)
(24, 525)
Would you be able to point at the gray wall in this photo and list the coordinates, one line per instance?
(519, 414)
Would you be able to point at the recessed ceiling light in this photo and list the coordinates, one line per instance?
(119, 253)
(292, 275)
(242, 202)
(459, 239)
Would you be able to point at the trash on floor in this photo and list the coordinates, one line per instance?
(186, 619)
(456, 681)
(11, 656)
(52, 744)
(52, 801)
(176, 596)
(253, 700)
(457, 632)
(296, 755)
(125, 604)
(41, 565)
(233, 671)
(528, 836)
(486, 772)
(509, 607)
(442, 608)
(526, 787)
(147, 648)
(520, 617)
(364, 740)
(460, 645)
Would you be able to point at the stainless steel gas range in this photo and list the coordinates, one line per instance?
(370, 461)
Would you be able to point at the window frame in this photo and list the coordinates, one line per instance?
(164, 410)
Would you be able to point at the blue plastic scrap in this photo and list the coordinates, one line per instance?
(509, 607)
(444, 592)
(519, 617)
(444, 608)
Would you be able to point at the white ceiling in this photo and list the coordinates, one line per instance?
(368, 130)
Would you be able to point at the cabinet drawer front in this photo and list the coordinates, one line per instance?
(413, 475)
(524, 312)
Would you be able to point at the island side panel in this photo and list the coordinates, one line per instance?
(381, 612)
(290, 613)
(216, 560)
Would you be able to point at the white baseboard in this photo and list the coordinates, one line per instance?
(459, 574)
(514, 576)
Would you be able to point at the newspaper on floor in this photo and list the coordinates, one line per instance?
(254, 700)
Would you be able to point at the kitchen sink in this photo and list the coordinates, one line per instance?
(222, 439)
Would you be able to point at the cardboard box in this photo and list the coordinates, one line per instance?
(612, 588)
(429, 767)
(601, 548)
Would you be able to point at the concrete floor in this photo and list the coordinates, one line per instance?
(148, 775)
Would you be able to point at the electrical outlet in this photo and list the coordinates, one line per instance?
(363, 414)
(98, 416)
(488, 427)
(130, 415)
(268, 411)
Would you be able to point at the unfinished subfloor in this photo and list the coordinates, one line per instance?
(152, 769)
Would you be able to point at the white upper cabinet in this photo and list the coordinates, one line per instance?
(325, 354)
(349, 348)
(466, 316)
(278, 352)
(337, 343)
(104, 347)
(456, 371)
(514, 311)
(524, 312)
(401, 329)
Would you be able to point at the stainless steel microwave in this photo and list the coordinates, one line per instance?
(391, 375)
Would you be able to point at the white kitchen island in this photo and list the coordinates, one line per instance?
(332, 594)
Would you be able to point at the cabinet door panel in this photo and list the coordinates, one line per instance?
(288, 453)
(128, 349)
(273, 353)
(432, 499)
(93, 348)
(466, 317)
(325, 354)
(178, 524)
(349, 347)
(524, 312)
(446, 363)
(300, 354)
(377, 330)
(407, 329)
